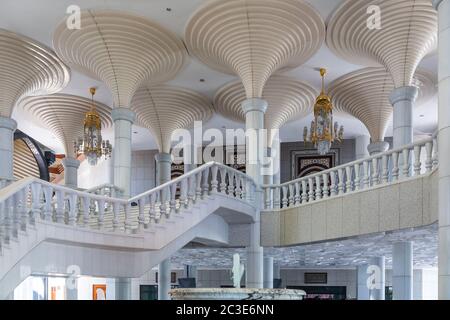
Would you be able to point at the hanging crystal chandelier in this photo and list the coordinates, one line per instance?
(323, 131)
(91, 144)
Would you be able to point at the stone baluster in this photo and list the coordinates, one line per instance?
(60, 206)
(7, 219)
(348, 181)
(245, 184)
(318, 192)
(86, 203)
(325, 185)
(214, 182)
(384, 169)
(35, 202)
(311, 190)
(333, 183)
(267, 198)
(406, 163)
(191, 193)
(141, 215)
(101, 213)
(341, 181)
(276, 197)
(285, 196)
(164, 199)
(435, 153)
(223, 180)
(23, 208)
(231, 183)
(395, 168)
(304, 191)
(73, 209)
(183, 193)
(152, 208)
(116, 212)
(173, 201)
(417, 163)
(291, 194)
(297, 196)
(357, 181)
(198, 187)
(205, 182)
(429, 160)
(374, 170)
(48, 208)
(366, 174)
(238, 186)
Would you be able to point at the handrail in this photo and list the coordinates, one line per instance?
(359, 161)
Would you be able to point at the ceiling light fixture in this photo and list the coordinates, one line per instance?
(91, 144)
(323, 131)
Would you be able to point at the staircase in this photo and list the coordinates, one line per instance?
(39, 219)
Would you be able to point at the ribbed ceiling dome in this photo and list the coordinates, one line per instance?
(254, 38)
(408, 32)
(122, 50)
(27, 68)
(64, 115)
(365, 95)
(288, 99)
(163, 109)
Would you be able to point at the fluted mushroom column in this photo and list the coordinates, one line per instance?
(254, 110)
(71, 166)
(123, 120)
(7, 128)
(443, 8)
(163, 175)
(402, 100)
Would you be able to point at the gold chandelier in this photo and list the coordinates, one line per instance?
(91, 144)
(323, 131)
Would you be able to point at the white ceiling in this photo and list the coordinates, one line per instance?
(38, 19)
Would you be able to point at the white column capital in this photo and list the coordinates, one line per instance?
(377, 147)
(254, 104)
(71, 163)
(163, 157)
(8, 123)
(123, 114)
(436, 4)
(408, 93)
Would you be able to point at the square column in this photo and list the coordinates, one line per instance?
(377, 278)
(362, 288)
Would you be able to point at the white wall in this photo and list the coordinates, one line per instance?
(142, 171)
(93, 176)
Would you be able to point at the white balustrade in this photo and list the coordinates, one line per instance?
(387, 167)
(26, 201)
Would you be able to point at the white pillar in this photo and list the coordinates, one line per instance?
(164, 280)
(123, 120)
(7, 128)
(402, 100)
(268, 272)
(362, 289)
(123, 288)
(402, 271)
(361, 145)
(443, 7)
(378, 292)
(254, 110)
(71, 166)
(163, 175)
(72, 290)
(377, 147)
(276, 271)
